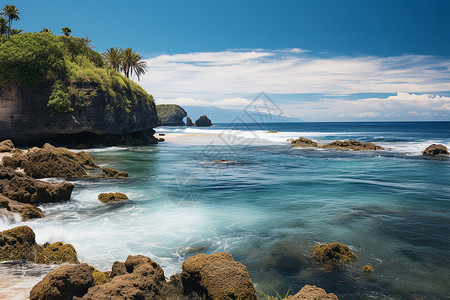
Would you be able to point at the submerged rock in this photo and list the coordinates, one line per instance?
(367, 269)
(26, 211)
(352, 145)
(189, 122)
(65, 282)
(217, 276)
(203, 121)
(56, 253)
(435, 149)
(303, 142)
(112, 197)
(311, 292)
(333, 252)
(22, 188)
(108, 172)
(6, 146)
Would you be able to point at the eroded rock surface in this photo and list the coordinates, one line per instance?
(435, 150)
(333, 252)
(311, 292)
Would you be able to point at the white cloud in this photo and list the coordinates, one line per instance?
(235, 103)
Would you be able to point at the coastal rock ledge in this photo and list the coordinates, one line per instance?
(435, 150)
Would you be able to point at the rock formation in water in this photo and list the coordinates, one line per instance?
(203, 121)
(171, 114)
(189, 122)
(333, 253)
(303, 143)
(435, 150)
(338, 145)
(112, 197)
(311, 292)
(111, 173)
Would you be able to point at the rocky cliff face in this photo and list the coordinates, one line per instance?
(95, 120)
(171, 114)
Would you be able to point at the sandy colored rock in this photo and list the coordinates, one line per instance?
(56, 253)
(108, 172)
(311, 292)
(303, 143)
(435, 149)
(6, 146)
(112, 197)
(18, 243)
(217, 276)
(85, 159)
(352, 145)
(118, 268)
(367, 269)
(64, 283)
(26, 211)
(333, 252)
(22, 188)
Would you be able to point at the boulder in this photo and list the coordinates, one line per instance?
(189, 122)
(161, 139)
(435, 149)
(333, 252)
(303, 142)
(112, 197)
(22, 188)
(352, 145)
(6, 146)
(171, 114)
(108, 172)
(85, 159)
(18, 243)
(56, 253)
(65, 282)
(367, 269)
(26, 211)
(118, 268)
(217, 276)
(99, 276)
(311, 292)
(203, 121)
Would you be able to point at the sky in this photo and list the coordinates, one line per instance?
(318, 60)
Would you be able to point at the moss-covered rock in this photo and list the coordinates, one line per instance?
(18, 243)
(56, 253)
(303, 143)
(108, 172)
(99, 276)
(367, 269)
(312, 292)
(333, 252)
(112, 197)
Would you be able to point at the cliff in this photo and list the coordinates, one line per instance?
(56, 89)
(171, 114)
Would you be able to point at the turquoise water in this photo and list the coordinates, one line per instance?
(272, 203)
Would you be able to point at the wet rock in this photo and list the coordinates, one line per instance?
(99, 276)
(367, 269)
(333, 252)
(435, 149)
(203, 121)
(85, 159)
(352, 145)
(112, 197)
(6, 146)
(189, 122)
(18, 243)
(108, 172)
(217, 276)
(26, 211)
(311, 292)
(22, 188)
(56, 253)
(303, 142)
(65, 282)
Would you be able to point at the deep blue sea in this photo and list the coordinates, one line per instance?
(270, 204)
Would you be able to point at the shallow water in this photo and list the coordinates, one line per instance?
(271, 204)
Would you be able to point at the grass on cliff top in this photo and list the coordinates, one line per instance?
(68, 64)
(169, 110)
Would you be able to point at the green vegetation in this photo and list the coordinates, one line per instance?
(166, 111)
(66, 31)
(12, 14)
(127, 61)
(277, 295)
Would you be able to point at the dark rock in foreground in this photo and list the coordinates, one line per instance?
(303, 142)
(189, 122)
(352, 145)
(171, 114)
(203, 121)
(333, 252)
(108, 172)
(112, 197)
(311, 292)
(217, 276)
(435, 149)
(26, 211)
(64, 282)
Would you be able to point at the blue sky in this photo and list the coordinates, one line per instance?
(376, 59)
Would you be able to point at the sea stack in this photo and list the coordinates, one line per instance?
(203, 121)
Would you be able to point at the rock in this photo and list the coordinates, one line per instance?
(99, 276)
(435, 149)
(65, 283)
(56, 253)
(17, 160)
(203, 121)
(18, 243)
(189, 122)
(311, 292)
(352, 145)
(161, 139)
(108, 172)
(112, 197)
(22, 188)
(85, 159)
(171, 114)
(333, 252)
(6, 146)
(367, 269)
(143, 279)
(217, 276)
(118, 268)
(26, 211)
(303, 143)
(161, 134)
(272, 131)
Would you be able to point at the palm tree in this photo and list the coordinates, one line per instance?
(12, 13)
(3, 27)
(15, 31)
(131, 62)
(66, 31)
(46, 30)
(113, 57)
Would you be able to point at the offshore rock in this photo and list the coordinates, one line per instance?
(352, 145)
(333, 252)
(435, 149)
(303, 142)
(189, 122)
(203, 121)
(108, 172)
(171, 114)
(112, 197)
(311, 292)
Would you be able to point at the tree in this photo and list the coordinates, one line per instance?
(12, 13)
(131, 62)
(66, 31)
(46, 30)
(15, 31)
(113, 58)
(3, 27)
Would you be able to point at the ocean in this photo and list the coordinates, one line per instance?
(268, 204)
